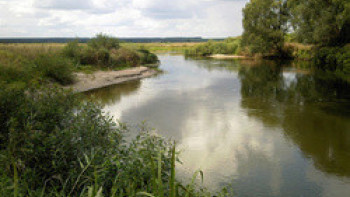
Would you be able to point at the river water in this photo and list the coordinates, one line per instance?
(258, 128)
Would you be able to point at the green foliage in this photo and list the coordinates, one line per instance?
(125, 57)
(336, 59)
(52, 144)
(104, 51)
(104, 41)
(229, 46)
(19, 69)
(73, 50)
(321, 22)
(54, 67)
(265, 26)
(147, 57)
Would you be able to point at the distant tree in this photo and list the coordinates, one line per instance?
(322, 22)
(265, 25)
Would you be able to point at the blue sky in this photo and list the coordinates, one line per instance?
(121, 18)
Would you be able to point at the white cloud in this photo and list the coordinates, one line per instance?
(122, 18)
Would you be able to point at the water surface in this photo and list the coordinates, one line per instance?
(262, 128)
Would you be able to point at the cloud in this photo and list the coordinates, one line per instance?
(122, 18)
(64, 4)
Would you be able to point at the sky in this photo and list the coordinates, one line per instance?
(121, 18)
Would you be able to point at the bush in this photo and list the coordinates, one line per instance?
(104, 41)
(334, 59)
(51, 144)
(147, 57)
(46, 133)
(91, 56)
(228, 46)
(55, 67)
(124, 57)
(73, 50)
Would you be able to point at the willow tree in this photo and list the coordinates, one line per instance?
(321, 22)
(265, 26)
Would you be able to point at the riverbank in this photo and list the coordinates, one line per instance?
(86, 82)
(225, 56)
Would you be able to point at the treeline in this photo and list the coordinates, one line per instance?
(26, 63)
(324, 24)
(85, 40)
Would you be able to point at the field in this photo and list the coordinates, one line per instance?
(163, 47)
(55, 47)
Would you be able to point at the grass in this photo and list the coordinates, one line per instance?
(56, 63)
(53, 144)
(162, 47)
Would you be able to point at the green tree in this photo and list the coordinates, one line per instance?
(265, 26)
(322, 22)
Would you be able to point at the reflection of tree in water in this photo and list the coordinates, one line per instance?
(312, 109)
(112, 94)
(215, 64)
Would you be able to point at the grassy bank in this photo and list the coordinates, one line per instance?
(54, 143)
(56, 63)
(162, 47)
(230, 46)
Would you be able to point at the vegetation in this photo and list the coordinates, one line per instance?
(228, 46)
(106, 52)
(22, 66)
(53, 144)
(57, 62)
(265, 26)
(162, 47)
(320, 22)
(324, 24)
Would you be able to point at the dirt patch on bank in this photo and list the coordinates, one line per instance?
(100, 79)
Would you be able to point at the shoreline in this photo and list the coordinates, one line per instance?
(101, 79)
(225, 56)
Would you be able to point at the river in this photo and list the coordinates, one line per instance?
(258, 128)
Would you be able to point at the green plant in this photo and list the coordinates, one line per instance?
(73, 50)
(54, 67)
(52, 144)
(104, 41)
(124, 57)
(147, 57)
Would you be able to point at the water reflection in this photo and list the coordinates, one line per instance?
(263, 128)
(112, 94)
(304, 107)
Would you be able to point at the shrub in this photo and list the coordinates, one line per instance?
(55, 67)
(92, 56)
(124, 57)
(73, 50)
(104, 41)
(14, 68)
(51, 144)
(88, 56)
(228, 46)
(147, 57)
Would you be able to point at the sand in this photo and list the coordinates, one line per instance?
(100, 79)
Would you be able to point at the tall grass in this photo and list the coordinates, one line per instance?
(228, 46)
(46, 63)
(53, 144)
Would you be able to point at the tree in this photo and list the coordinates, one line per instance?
(265, 25)
(321, 22)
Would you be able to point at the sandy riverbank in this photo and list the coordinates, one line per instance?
(224, 56)
(100, 79)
